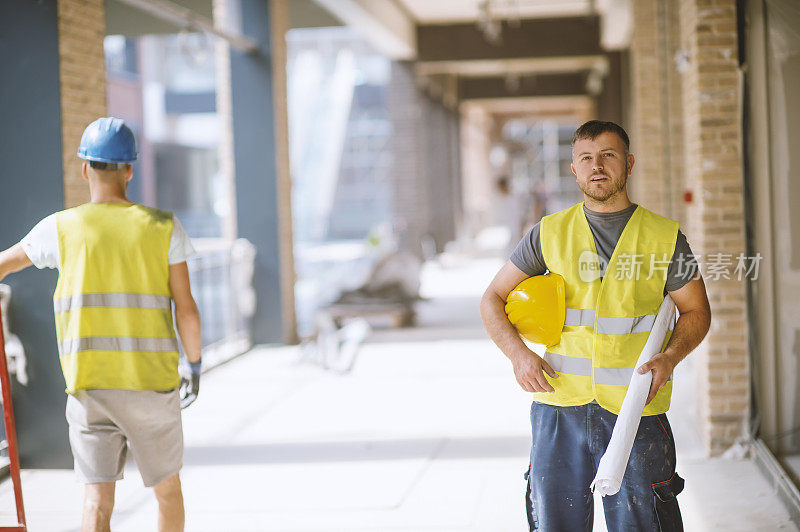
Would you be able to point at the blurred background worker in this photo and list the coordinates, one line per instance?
(582, 378)
(121, 265)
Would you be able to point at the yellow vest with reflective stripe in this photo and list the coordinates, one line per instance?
(112, 304)
(608, 319)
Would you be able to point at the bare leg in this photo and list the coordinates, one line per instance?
(98, 503)
(170, 504)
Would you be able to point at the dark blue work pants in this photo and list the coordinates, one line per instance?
(568, 442)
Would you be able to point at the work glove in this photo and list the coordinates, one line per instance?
(190, 385)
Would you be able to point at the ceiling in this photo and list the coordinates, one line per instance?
(449, 41)
(122, 19)
(451, 11)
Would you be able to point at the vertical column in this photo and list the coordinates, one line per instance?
(612, 98)
(674, 104)
(713, 141)
(227, 164)
(411, 210)
(439, 170)
(425, 147)
(655, 132)
(31, 151)
(454, 160)
(254, 110)
(476, 181)
(82, 73)
(279, 21)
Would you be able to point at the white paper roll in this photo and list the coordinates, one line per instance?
(613, 463)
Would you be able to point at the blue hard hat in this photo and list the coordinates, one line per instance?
(108, 140)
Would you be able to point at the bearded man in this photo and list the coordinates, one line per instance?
(579, 384)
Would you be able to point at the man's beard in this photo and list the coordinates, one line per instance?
(617, 185)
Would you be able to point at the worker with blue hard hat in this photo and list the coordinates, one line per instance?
(108, 140)
(121, 267)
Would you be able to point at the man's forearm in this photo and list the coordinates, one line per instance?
(13, 260)
(499, 328)
(689, 331)
(188, 322)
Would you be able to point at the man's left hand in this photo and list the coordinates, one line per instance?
(662, 365)
(190, 385)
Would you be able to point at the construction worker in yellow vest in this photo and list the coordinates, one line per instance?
(121, 266)
(618, 261)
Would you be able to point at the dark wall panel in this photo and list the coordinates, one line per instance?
(609, 102)
(32, 188)
(542, 85)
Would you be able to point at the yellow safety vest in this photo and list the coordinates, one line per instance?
(608, 320)
(113, 304)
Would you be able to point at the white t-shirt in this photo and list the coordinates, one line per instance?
(41, 244)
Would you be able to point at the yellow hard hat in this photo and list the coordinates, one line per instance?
(536, 308)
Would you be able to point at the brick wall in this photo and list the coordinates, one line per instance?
(656, 132)
(81, 29)
(713, 144)
(686, 135)
(677, 156)
(648, 181)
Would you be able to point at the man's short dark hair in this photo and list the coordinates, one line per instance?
(593, 128)
(100, 165)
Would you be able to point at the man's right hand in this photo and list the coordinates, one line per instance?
(528, 366)
(529, 370)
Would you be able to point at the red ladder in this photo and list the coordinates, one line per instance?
(11, 438)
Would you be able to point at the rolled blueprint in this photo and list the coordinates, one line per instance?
(613, 463)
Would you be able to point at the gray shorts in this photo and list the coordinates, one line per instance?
(103, 422)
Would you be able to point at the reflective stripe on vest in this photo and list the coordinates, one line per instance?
(583, 367)
(637, 324)
(569, 365)
(117, 343)
(77, 301)
(580, 317)
(615, 376)
(607, 319)
(585, 317)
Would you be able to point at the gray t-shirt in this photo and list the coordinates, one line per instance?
(606, 228)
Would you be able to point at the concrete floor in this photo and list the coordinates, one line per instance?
(428, 433)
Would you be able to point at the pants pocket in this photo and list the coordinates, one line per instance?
(668, 515)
